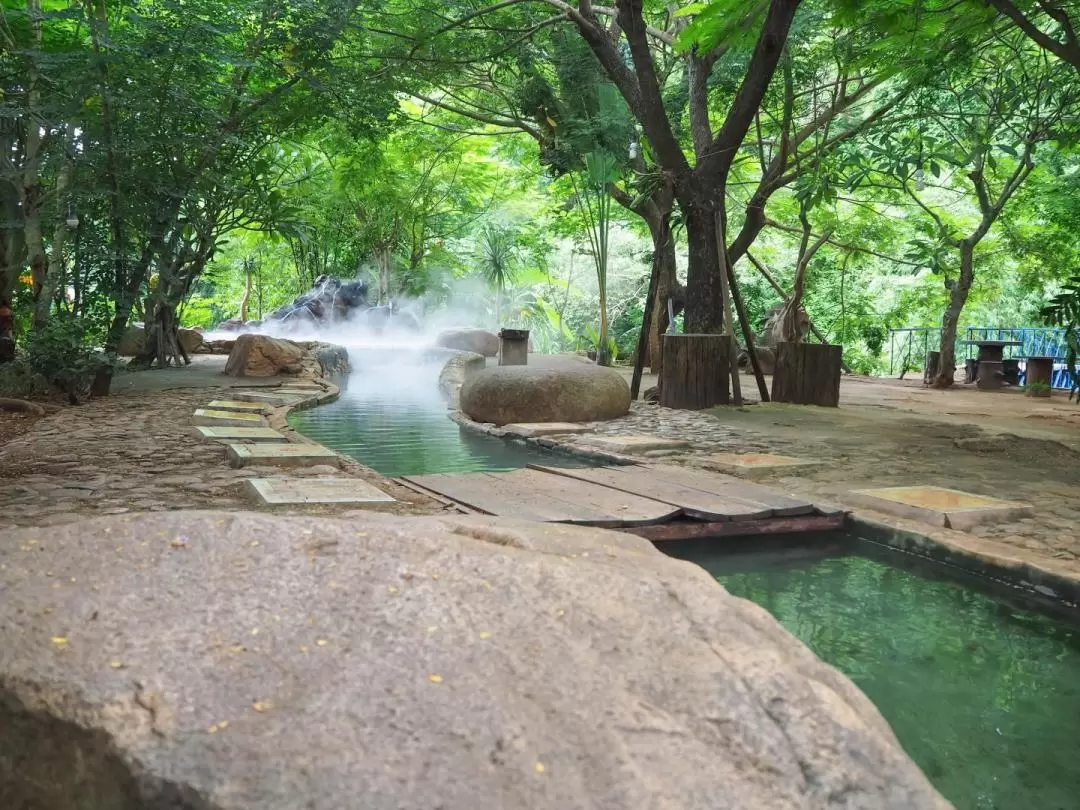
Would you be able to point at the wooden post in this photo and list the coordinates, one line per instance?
(646, 329)
(807, 374)
(1040, 370)
(696, 371)
(930, 367)
(514, 347)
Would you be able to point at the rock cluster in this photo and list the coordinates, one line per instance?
(264, 356)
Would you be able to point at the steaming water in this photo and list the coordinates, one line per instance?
(392, 417)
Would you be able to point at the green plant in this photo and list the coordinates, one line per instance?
(1037, 389)
(58, 356)
(1064, 310)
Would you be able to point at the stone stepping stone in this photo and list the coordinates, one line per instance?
(275, 491)
(212, 418)
(748, 462)
(531, 429)
(269, 397)
(281, 455)
(939, 506)
(630, 445)
(238, 406)
(241, 434)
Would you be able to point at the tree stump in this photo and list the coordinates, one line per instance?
(1038, 378)
(807, 374)
(930, 368)
(513, 347)
(696, 371)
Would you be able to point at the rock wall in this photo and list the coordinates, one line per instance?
(251, 662)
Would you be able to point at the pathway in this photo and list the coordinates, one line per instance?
(137, 451)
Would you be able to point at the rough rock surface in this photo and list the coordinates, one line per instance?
(457, 369)
(263, 356)
(228, 661)
(574, 392)
(134, 339)
(477, 341)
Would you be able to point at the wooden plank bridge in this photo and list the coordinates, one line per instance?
(658, 502)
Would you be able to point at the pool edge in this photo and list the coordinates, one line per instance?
(1014, 572)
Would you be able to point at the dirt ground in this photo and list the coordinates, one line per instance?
(137, 451)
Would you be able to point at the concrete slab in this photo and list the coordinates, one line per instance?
(531, 429)
(212, 418)
(939, 506)
(635, 444)
(241, 434)
(269, 397)
(749, 462)
(300, 386)
(281, 455)
(281, 490)
(238, 406)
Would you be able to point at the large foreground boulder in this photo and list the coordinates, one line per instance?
(477, 341)
(250, 662)
(574, 392)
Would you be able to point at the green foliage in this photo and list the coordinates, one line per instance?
(1064, 310)
(57, 357)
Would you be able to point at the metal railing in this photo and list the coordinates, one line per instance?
(911, 345)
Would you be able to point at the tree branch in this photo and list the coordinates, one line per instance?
(1066, 51)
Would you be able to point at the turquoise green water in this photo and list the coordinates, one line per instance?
(391, 417)
(982, 692)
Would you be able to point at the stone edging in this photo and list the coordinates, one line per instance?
(279, 417)
(1049, 584)
(1007, 570)
(553, 443)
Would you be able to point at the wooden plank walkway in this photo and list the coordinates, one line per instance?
(539, 496)
(658, 502)
(701, 495)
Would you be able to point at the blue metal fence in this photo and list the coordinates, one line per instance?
(911, 345)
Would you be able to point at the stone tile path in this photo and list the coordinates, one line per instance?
(138, 452)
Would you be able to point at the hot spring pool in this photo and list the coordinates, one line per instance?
(391, 417)
(982, 690)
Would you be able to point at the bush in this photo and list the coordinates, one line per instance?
(58, 357)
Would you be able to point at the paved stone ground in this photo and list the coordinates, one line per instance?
(137, 451)
(891, 433)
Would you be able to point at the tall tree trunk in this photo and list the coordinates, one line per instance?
(247, 290)
(667, 287)
(12, 253)
(951, 319)
(382, 258)
(704, 294)
(55, 269)
(31, 191)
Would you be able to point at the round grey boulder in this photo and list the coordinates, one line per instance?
(477, 341)
(576, 392)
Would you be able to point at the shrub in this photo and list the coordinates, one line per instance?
(58, 357)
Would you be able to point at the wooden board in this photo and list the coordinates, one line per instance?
(535, 495)
(701, 495)
(695, 530)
